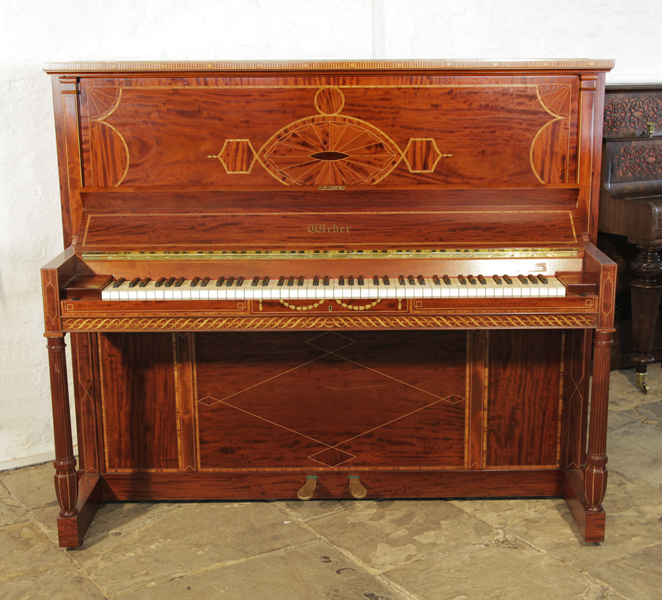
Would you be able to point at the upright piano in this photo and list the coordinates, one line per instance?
(368, 279)
(631, 220)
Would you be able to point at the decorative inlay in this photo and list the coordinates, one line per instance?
(631, 114)
(237, 157)
(334, 322)
(102, 103)
(556, 99)
(329, 149)
(422, 155)
(332, 457)
(639, 161)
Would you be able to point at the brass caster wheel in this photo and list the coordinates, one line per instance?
(641, 383)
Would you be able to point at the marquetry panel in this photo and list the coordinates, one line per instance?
(89, 415)
(349, 129)
(524, 398)
(139, 401)
(362, 399)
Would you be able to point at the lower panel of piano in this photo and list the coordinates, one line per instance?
(229, 415)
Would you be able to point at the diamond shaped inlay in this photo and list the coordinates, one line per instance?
(332, 457)
(330, 342)
(208, 400)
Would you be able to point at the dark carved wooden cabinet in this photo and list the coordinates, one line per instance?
(630, 216)
(330, 280)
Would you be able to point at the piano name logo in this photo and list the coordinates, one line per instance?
(323, 228)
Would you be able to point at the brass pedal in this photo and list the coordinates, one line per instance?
(308, 489)
(355, 488)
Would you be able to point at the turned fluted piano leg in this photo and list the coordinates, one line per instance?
(584, 491)
(595, 476)
(646, 293)
(76, 510)
(66, 479)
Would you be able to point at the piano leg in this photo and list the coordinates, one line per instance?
(646, 293)
(76, 513)
(584, 492)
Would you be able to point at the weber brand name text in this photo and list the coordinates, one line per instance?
(323, 228)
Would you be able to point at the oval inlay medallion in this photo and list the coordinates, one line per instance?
(329, 156)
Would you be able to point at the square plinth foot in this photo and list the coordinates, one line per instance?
(591, 524)
(72, 530)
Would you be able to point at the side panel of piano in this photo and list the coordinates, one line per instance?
(234, 178)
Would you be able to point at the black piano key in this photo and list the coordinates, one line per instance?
(134, 282)
(300, 281)
(497, 279)
(387, 281)
(411, 280)
(281, 281)
(326, 280)
(180, 281)
(350, 280)
(255, 281)
(229, 282)
(523, 279)
(316, 281)
(482, 280)
(508, 279)
(401, 280)
(220, 282)
(543, 279)
(341, 280)
(421, 279)
(240, 282)
(472, 279)
(160, 282)
(119, 282)
(436, 280)
(145, 281)
(170, 281)
(361, 281)
(195, 281)
(290, 281)
(375, 280)
(265, 282)
(533, 279)
(205, 281)
(447, 280)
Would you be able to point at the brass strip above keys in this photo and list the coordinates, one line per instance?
(332, 254)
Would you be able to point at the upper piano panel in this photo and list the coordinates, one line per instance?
(367, 125)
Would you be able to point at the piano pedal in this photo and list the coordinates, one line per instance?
(308, 489)
(641, 383)
(356, 489)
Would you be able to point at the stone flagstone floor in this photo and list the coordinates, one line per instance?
(388, 550)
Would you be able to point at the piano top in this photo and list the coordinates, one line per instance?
(572, 64)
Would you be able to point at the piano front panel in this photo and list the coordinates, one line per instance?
(321, 401)
(139, 402)
(524, 364)
(334, 130)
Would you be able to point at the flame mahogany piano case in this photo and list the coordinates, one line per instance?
(384, 171)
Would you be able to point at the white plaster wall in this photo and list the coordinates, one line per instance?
(37, 31)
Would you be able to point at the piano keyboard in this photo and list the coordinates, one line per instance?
(350, 287)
